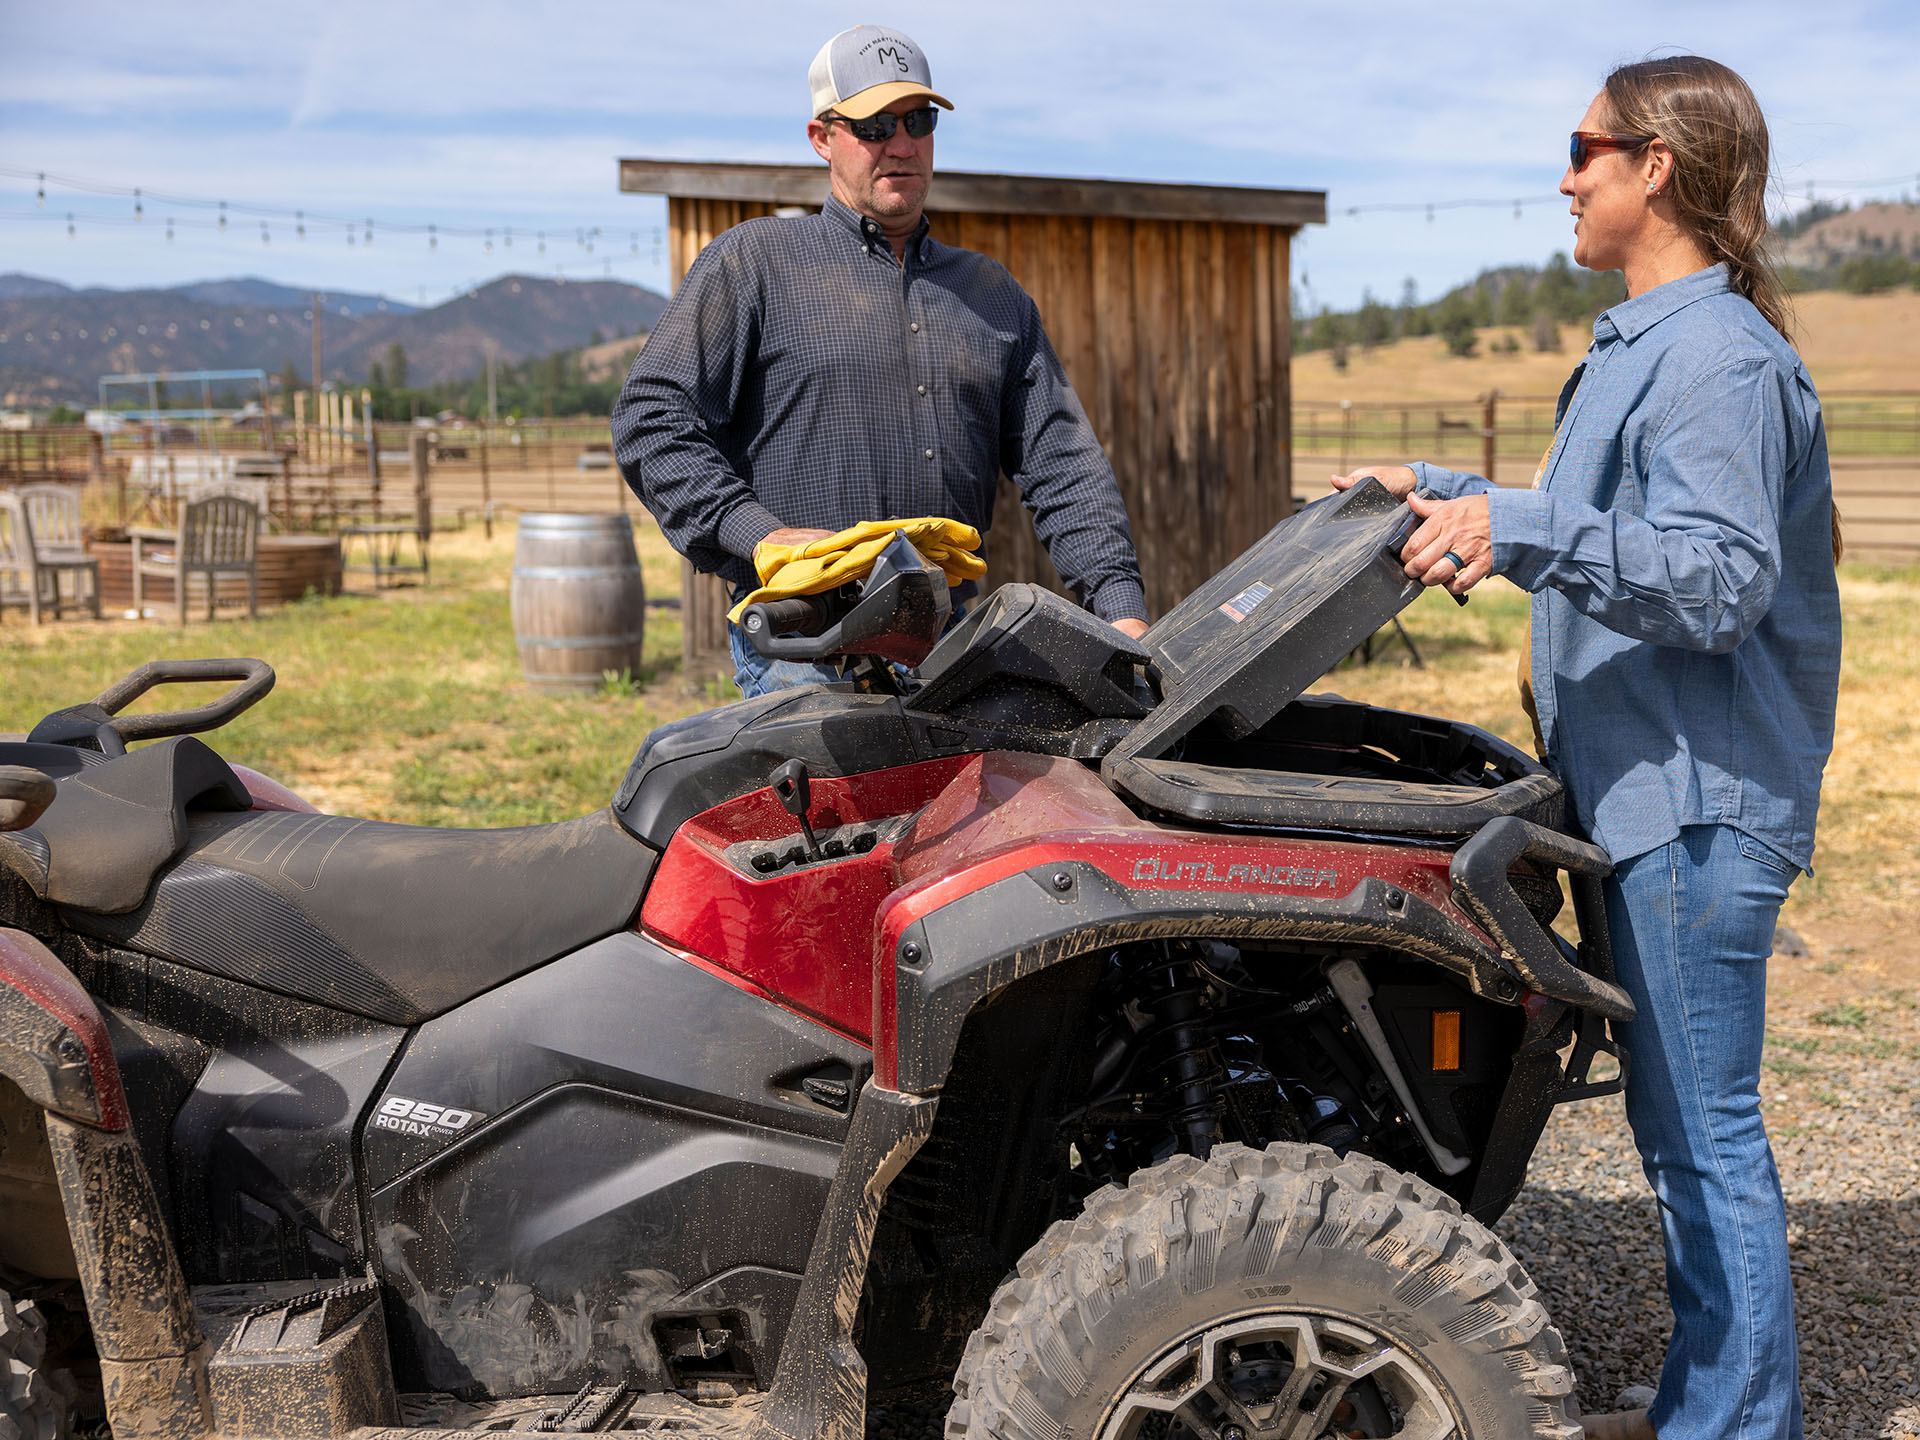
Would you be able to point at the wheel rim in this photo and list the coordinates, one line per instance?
(1284, 1377)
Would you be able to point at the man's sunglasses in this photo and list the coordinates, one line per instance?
(1583, 145)
(919, 124)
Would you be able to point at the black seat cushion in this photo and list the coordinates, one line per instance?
(115, 821)
(394, 922)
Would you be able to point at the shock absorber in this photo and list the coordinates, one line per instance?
(1185, 1053)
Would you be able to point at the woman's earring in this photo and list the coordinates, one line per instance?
(1652, 188)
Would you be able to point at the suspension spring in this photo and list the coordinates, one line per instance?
(1186, 1056)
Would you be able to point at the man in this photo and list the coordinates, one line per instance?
(816, 371)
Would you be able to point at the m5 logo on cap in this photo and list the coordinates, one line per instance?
(887, 52)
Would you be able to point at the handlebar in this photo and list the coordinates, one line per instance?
(100, 722)
(797, 615)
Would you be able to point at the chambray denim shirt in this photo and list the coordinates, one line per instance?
(1686, 621)
(801, 377)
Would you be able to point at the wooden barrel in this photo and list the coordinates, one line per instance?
(579, 607)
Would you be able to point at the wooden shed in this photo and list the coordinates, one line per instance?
(1168, 305)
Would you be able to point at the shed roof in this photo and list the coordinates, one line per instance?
(962, 190)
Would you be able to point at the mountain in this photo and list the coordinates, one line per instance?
(15, 286)
(266, 295)
(1884, 228)
(56, 342)
(247, 291)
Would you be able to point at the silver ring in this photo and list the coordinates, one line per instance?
(1458, 563)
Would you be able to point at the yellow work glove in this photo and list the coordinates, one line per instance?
(836, 560)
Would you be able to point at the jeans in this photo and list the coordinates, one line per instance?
(755, 674)
(1692, 925)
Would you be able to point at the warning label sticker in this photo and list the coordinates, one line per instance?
(1242, 605)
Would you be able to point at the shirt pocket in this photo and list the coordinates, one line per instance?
(974, 365)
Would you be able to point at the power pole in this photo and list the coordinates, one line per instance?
(493, 406)
(319, 325)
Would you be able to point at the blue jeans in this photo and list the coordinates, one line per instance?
(755, 674)
(1692, 926)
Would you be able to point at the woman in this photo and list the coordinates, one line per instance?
(1685, 651)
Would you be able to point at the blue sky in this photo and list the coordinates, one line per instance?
(497, 115)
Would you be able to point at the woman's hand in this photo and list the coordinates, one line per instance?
(1398, 479)
(1453, 545)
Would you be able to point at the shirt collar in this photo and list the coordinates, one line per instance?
(872, 237)
(1632, 318)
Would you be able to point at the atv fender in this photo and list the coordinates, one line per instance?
(54, 1046)
(53, 1043)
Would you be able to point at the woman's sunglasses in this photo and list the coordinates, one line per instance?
(919, 124)
(1583, 145)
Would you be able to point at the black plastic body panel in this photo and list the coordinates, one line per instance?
(255, 1098)
(633, 1145)
(1325, 763)
(692, 765)
(1027, 657)
(1254, 637)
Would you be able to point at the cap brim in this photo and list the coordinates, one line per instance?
(875, 98)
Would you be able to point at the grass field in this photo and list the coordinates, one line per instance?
(409, 706)
(1850, 342)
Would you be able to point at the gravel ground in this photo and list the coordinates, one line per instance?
(1840, 1089)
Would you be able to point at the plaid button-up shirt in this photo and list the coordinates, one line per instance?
(802, 377)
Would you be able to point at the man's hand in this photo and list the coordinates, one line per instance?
(1450, 528)
(1130, 627)
(1397, 478)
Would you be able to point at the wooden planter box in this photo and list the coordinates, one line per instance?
(290, 565)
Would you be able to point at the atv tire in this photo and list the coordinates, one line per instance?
(1144, 1308)
(31, 1407)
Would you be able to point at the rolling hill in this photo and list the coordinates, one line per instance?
(56, 342)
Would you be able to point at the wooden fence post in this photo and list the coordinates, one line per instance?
(1489, 422)
(486, 478)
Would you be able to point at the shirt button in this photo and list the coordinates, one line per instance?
(915, 327)
(921, 388)
(929, 454)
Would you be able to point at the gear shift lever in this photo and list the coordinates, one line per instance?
(792, 784)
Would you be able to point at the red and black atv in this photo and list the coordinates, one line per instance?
(1105, 1031)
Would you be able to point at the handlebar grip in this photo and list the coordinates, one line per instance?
(799, 615)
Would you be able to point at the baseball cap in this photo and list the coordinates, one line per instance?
(861, 71)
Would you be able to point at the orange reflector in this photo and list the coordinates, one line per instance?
(1446, 1040)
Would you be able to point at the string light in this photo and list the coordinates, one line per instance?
(139, 211)
(223, 214)
(299, 225)
(488, 249)
(433, 238)
(70, 225)
(265, 239)
(40, 194)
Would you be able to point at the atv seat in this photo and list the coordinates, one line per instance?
(393, 922)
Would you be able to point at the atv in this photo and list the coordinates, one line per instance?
(1104, 1033)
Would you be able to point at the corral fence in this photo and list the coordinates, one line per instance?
(319, 479)
(1873, 438)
